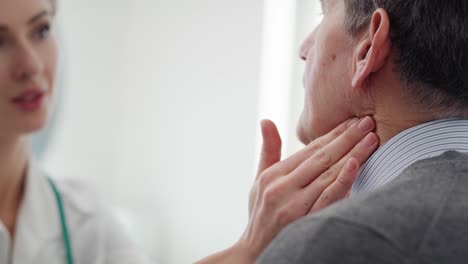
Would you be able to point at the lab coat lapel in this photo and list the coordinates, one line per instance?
(38, 219)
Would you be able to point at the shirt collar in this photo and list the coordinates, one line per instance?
(417, 143)
(38, 219)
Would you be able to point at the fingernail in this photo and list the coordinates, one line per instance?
(352, 122)
(366, 124)
(370, 140)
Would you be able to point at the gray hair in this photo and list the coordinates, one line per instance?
(430, 39)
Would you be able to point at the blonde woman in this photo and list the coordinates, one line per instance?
(41, 220)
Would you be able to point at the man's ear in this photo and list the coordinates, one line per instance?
(373, 50)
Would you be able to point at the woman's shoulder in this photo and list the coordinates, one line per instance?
(93, 224)
(79, 197)
(83, 206)
(97, 234)
(88, 207)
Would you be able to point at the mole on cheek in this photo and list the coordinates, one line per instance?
(333, 57)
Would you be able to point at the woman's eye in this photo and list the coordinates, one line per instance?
(43, 31)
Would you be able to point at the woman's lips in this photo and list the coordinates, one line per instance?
(29, 101)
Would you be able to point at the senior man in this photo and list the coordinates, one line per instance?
(404, 62)
(401, 68)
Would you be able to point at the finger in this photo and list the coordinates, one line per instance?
(288, 165)
(325, 158)
(361, 152)
(340, 188)
(271, 146)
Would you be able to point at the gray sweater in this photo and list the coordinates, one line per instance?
(420, 217)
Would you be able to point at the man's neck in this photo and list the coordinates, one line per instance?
(392, 111)
(387, 129)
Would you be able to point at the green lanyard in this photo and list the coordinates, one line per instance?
(63, 222)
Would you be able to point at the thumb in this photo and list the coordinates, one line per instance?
(271, 146)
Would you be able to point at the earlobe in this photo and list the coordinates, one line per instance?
(373, 51)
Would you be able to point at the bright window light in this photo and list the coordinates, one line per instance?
(277, 61)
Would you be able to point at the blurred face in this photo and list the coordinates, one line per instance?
(328, 74)
(28, 58)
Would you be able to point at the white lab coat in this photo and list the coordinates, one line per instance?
(95, 236)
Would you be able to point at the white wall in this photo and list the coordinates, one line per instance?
(278, 49)
(286, 24)
(160, 115)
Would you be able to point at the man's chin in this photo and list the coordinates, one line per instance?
(304, 136)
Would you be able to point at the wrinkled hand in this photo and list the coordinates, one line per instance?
(311, 179)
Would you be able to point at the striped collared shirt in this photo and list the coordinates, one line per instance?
(421, 142)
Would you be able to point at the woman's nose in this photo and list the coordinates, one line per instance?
(27, 63)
